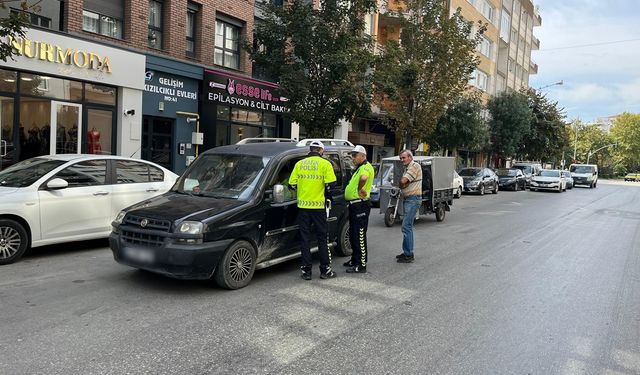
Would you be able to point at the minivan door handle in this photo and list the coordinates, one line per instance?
(97, 193)
(151, 190)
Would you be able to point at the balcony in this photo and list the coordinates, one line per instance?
(535, 43)
(533, 67)
(537, 19)
(366, 138)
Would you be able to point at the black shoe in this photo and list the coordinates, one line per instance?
(404, 256)
(357, 269)
(348, 263)
(306, 273)
(329, 274)
(405, 259)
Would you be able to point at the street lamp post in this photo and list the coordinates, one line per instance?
(559, 83)
(593, 152)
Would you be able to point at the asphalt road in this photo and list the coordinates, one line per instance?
(514, 283)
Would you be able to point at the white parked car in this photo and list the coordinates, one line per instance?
(549, 179)
(70, 197)
(458, 184)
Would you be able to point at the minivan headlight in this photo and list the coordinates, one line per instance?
(120, 217)
(190, 227)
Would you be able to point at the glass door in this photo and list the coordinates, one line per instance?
(157, 140)
(66, 128)
(7, 148)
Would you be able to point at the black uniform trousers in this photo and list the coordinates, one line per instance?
(358, 224)
(314, 222)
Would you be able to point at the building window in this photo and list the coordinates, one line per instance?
(485, 47)
(505, 26)
(487, 10)
(481, 80)
(34, 19)
(227, 50)
(192, 13)
(155, 24)
(100, 24)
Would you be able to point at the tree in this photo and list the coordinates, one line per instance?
(591, 138)
(626, 132)
(14, 25)
(547, 135)
(321, 58)
(509, 125)
(462, 125)
(416, 79)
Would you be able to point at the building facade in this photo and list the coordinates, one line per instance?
(149, 99)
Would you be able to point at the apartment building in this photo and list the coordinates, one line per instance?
(505, 49)
(156, 79)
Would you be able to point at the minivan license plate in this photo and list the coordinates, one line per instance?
(144, 256)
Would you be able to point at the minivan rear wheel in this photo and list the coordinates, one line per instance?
(237, 266)
(14, 241)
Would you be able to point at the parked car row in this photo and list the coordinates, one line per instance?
(70, 197)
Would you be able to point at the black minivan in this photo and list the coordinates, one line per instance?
(230, 213)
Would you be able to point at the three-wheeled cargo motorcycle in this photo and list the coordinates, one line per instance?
(437, 187)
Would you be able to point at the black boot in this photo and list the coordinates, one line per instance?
(327, 273)
(306, 273)
(357, 269)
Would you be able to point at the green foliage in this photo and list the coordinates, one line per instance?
(14, 26)
(417, 79)
(510, 123)
(547, 135)
(626, 132)
(461, 125)
(591, 138)
(321, 57)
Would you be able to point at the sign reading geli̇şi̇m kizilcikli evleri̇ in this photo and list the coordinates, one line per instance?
(173, 89)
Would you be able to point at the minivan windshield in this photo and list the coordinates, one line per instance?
(229, 176)
(581, 169)
(526, 169)
(27, 172)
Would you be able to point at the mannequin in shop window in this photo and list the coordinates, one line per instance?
(61, 139)
(45, 134)
(33, 141)
(94, 146)
(71, 146)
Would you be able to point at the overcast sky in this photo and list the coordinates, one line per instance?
(599, 80)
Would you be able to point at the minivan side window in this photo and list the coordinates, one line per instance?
(337, 167)
(282, 178)
(136, 172)
(85, 173)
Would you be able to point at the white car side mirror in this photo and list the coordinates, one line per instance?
(57, 184)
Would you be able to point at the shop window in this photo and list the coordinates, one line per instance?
(227, 45)
(223, 113)
(192, 18)
(45, 86)
(245, 116)
(100, 94)
(7, 148)
(239, 132)
(155, 24)
(99, 131)
(8, 80)
(35, 127)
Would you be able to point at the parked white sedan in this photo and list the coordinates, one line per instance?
(70, 197)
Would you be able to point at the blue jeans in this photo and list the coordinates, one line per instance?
(411, 205)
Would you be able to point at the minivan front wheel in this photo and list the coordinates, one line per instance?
(14, 241)
(344, 244)
(236, 267)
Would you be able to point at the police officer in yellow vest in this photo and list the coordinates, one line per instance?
(357, 197)
(311, 177)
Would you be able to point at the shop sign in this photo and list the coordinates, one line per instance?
(173, 89)
(233, 90)
(59, 55)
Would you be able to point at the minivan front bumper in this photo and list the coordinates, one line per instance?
(180, 261)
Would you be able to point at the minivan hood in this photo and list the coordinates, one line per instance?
(173, 206)
(581, 174)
